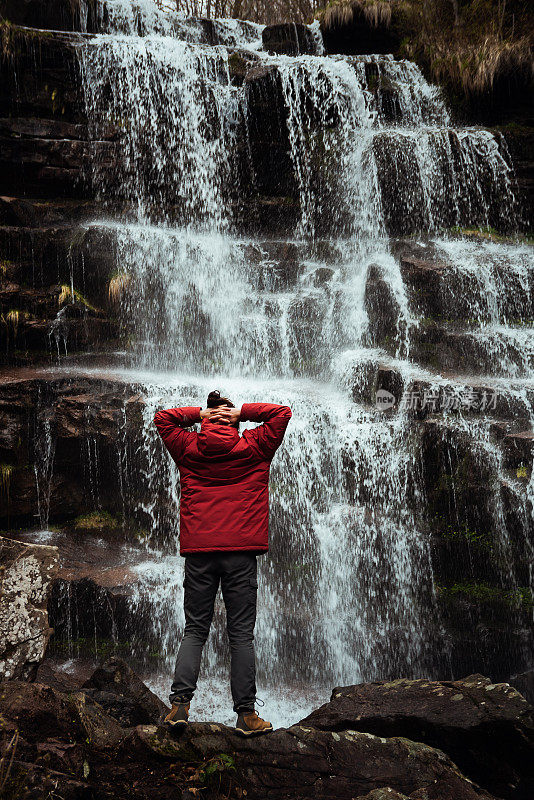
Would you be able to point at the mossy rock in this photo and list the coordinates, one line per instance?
(237, 67)
(97, 522)
(519, 597)
(486, 233)
(475, 538)
(158, 740)
(91, 647)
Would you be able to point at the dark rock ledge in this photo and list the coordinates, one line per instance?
(486, 728)
(103, 739)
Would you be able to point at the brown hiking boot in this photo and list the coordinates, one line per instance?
(178, 716)
(250, 724)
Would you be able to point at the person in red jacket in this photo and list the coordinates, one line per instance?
(224, 521)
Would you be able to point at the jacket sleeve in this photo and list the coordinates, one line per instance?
(267, 437)
(171, 425)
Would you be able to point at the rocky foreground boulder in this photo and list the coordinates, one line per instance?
(302, 762)
(67, 744)
(26, 572)
(486, 728)
(123, 695)
(86, 744)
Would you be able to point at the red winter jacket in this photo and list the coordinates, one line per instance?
(224, 477)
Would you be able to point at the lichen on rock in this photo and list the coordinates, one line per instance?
(26, 572)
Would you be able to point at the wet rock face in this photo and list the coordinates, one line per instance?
(108, 419)
(358, 35)
(71, 738)
(59, 15)
(486, 728)
(519, 448)
(524, 683)
(267, 133)
(45, 150)
(26, 572)
(51, 302)
(437, 290)
(520, 142)
(289, 39)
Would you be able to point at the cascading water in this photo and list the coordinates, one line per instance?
(346, 592)
(44, 464)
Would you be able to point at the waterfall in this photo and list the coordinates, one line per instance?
(386, 132)
(173, 104)
(346, 592)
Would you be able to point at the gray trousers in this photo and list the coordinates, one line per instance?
(236, 571)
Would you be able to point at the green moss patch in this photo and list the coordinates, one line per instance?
(465, 534)
(97, 522)
(484, 594)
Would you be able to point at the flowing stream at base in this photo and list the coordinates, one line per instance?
(346, 592)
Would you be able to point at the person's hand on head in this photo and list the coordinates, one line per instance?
(224, 415)
(228, 415)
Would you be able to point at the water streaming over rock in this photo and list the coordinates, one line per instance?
(346, 593)
(44, 463)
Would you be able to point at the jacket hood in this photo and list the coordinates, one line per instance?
(215, 439)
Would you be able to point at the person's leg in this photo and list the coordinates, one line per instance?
(200, 588)
(239, 589)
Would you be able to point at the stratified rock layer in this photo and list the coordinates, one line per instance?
(487, 728)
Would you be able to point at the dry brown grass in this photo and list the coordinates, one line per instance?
(118, 286)
(376, 12)
(6, 471)
(474, 65)
(6, 762)
(12, 319)
(496, 57)
(488, 40)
